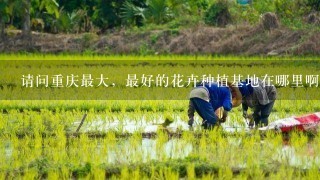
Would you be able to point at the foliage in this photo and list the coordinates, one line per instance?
(314, 4)
(84, 16)
(50, 7)
(4, 10)
(247, 14)
(106, 15)
(158, 11)
(132, 14)
(217, 14)
(290, 9)
(4, 17)
(263, 6)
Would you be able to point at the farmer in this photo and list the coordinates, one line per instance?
(207, 98)
(260, 97)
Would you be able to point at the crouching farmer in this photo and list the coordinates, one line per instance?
(260, 98)
(206, 98)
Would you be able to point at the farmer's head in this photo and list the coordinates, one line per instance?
(236, 95)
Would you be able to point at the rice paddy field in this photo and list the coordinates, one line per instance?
(122, 135)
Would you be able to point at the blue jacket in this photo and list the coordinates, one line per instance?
(220, 96)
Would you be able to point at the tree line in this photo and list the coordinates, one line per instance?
(75, 16)
(82, 15)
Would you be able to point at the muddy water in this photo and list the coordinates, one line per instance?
(148, 150)
(129, 126)
(124, 151)
(179, 148)
(294, 158)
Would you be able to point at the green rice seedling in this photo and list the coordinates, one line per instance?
(136, 174)
(52, 174)
(168, 173)
(116, 108)
(168, 119)
(208, 176)
(283, 172)
(313, 173)
(189, 137)
(161, 108)
(225, 173)
(298, 140)
(65, 173)
(31, 174)
(190, 171)
(97, 173)
(202, 151)
(178, 108)
(125, 173)
(3, 175)
(135, 146)
(256, 172)
(152, 172)
(130, 108)
(162, 138)
(146, 108)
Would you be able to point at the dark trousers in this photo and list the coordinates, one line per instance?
(261, 114)
(206, 112)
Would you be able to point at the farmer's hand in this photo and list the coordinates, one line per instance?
(251, 120)
(250, 116)
(190, 122)
(245, 114)
(222, 120)
(224, 117)
(251, 123)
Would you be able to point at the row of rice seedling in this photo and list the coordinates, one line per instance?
(47, 120)
(135, 106)
(83, 156)
(19, 80)
(99, 106)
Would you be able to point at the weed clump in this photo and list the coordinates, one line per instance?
(269, 21)
(218, 14)
(313, 18)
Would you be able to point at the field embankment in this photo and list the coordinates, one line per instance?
(235, 40)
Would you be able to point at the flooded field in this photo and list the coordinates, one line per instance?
(124, 134)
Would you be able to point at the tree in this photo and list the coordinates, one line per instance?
(26, 27)
(314, 4)
(132, 14)
(49, 6)
(158, 10)
(6, 13)
(3, 17)
(107, 14)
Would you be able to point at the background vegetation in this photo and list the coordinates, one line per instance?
(75, 16)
